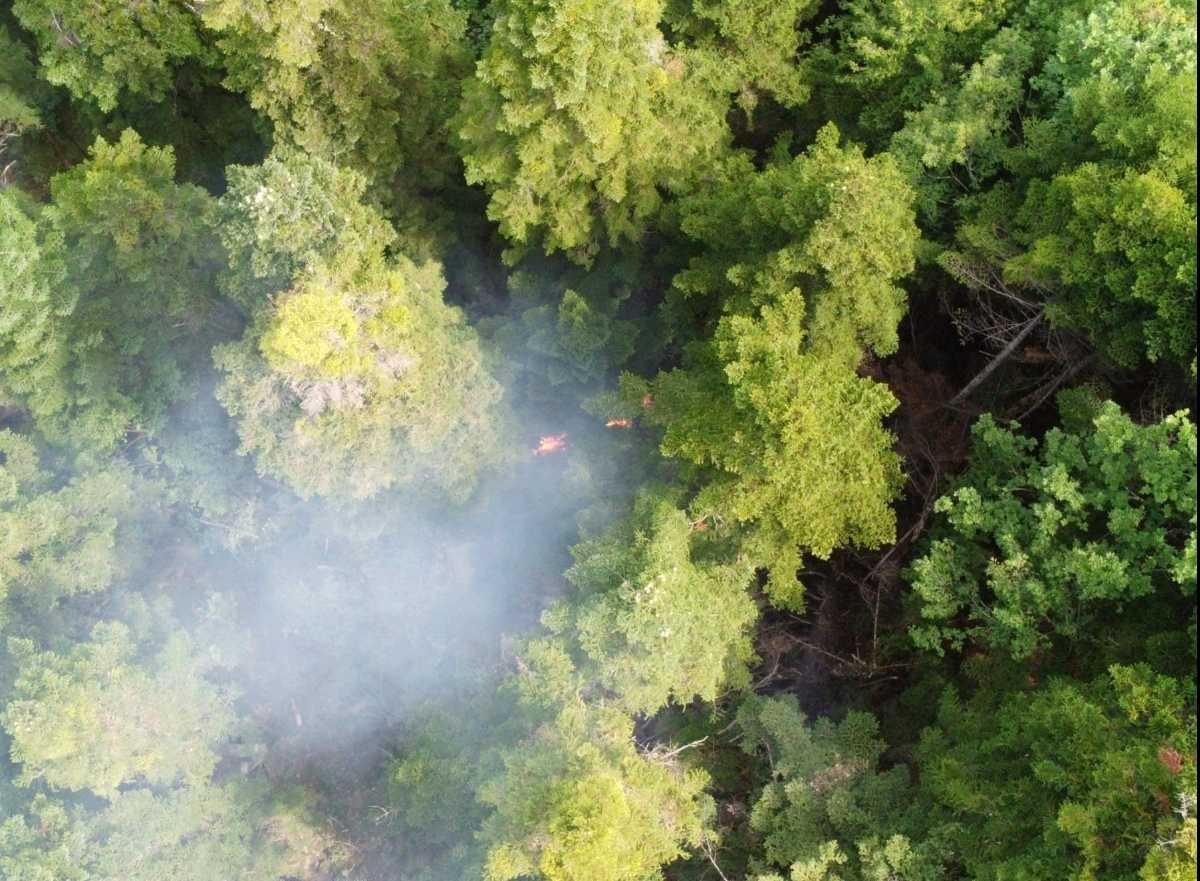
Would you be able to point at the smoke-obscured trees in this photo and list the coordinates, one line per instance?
(57, 541)
(97, 717)
(656, 624)
(354, 376)
(199, 833)
(363, 379)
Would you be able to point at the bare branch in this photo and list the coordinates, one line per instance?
(707, 848)
(1030, 326)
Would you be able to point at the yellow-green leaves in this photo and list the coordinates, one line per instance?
(657, 625)
(577, 802)
(363, 379)
(367, 84)
(799, 262)
(315, 329)
(578, 112)
(355, 376)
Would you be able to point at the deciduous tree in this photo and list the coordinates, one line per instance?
(1039, 540)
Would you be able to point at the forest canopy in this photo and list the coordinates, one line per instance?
(564, 440)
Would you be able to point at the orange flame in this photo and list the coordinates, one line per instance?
(619, 423)
(551, 443)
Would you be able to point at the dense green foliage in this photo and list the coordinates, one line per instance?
(1098, 519)
(579, 111)
(106, 289)
(564, 440)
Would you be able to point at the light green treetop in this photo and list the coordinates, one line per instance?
(362, 378)
(656, 624)
(803, 261)
(578, 802)
(579, 111)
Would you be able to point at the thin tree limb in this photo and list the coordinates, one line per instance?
(1058, 381)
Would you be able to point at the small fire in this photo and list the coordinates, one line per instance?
(647, 401)
(551, 443)
(619, 423)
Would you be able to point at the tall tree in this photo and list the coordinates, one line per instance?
(1070, 780)
(828, 812)
(749, 48)
(104, 293)
(60, 540)
(1038, 541)
(43, 844)
(1088, 208)
(577, 802)
(366, 85)
(798, 271)
(288, 213)
(19, 91)
(882, 58)
(101, 50)
(578, 113)
(655, 623)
